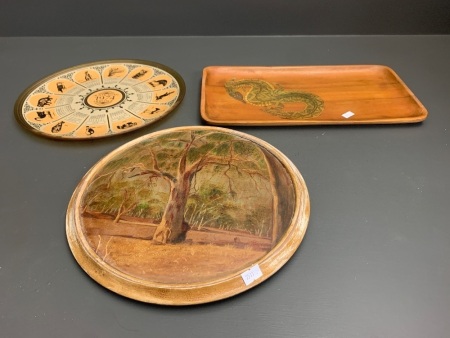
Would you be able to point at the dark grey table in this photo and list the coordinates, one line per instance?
(375, 261)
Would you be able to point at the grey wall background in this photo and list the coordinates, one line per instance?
(231, 17)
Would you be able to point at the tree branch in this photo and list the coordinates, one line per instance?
(155, 173)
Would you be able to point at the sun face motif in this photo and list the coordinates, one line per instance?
(105, 99)
(100, 99)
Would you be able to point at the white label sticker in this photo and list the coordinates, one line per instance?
(348, 114)
(251, 274)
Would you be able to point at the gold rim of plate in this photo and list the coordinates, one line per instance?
(99, 99)
(252, 200)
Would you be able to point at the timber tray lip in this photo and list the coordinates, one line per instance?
(220, 280)
(327, 95)
(99, 99)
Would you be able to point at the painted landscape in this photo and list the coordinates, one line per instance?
(187, 206)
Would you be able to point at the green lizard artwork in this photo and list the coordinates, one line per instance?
(272, 98)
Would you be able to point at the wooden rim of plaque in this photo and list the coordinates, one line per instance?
(99, 99)
(187, 215)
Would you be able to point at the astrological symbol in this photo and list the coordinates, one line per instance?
(127, 125)
(57, 127)
(153, 111)
(156, 83)
(87, 76)
(42, 115)
(45, 101)
(60, 87)
(159, 97)
(89, 130)
(141, 73)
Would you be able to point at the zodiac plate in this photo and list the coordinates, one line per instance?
(187, 215)
(100, 99)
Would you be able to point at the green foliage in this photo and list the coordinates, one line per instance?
(116, 163)
(144, 171)
(245, 148)
(162, 156)
(259, 221)
(197, 152)
(223, 149)
(141, 210)
(209, 206)
(149, 210)
(219, 136)
(225, 221)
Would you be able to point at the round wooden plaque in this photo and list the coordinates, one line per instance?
(187, 215)
(99, 99)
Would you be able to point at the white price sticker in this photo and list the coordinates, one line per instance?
(348, 114)
(251, 274)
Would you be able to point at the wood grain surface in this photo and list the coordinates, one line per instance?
(310, 95)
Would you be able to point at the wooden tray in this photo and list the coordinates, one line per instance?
(99, 99)
(187, 215)
(307, 96)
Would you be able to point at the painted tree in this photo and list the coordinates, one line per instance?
(111, 194)
(178, 158)
(180, 162)
(210, 205)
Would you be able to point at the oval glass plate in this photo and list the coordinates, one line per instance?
(187, 215)
(99, 99)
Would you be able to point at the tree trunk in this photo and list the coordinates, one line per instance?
(173, 217)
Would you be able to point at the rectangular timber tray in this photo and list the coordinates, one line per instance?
(307, 95)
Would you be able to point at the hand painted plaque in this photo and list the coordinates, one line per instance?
(188, 215)
(100, 99)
